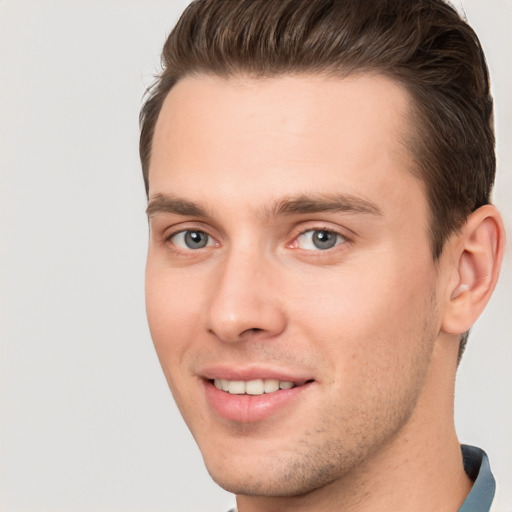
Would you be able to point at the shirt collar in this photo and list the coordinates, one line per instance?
(476, 465)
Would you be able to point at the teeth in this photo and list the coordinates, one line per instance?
(252, 387)
(236, 387)
(270, 385)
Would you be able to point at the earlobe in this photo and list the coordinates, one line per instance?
(478, 257)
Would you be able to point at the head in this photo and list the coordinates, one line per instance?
(424, 46)
(396, 95)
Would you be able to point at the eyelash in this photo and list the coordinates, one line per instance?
(169, 239)
(341, 239)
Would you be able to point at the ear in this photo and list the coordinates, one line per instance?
(477, 257)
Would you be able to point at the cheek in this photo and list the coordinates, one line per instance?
(171, 307)
(373, 343)
(364, 313)
(173, 323)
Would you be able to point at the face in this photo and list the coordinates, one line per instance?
(290, 284)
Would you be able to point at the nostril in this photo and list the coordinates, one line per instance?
(252, 330)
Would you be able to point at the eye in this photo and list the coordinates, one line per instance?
(319, 239)
(191, 239)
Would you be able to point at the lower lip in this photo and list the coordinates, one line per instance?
(251, 408)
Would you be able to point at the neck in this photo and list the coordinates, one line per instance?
(419, 469)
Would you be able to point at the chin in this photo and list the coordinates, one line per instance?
(275, 476)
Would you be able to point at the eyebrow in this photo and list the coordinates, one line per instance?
(161, 203)
(317, 203)
(294, 205)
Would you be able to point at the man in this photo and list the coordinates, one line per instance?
(322, 240)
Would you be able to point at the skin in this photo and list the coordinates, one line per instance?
(372, 321)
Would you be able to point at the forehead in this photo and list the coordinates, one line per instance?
(255, 137)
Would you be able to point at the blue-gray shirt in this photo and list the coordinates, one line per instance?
(477, 467)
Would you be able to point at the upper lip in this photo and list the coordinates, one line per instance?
(247, 373)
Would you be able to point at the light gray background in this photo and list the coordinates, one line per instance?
(86, 420)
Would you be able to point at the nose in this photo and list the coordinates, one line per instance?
(245, 299)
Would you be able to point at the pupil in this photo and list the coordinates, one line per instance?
(195, 239)
(324, 239)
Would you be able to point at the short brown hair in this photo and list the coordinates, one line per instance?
(423, 44)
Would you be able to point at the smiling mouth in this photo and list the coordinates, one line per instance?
(255, 387)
